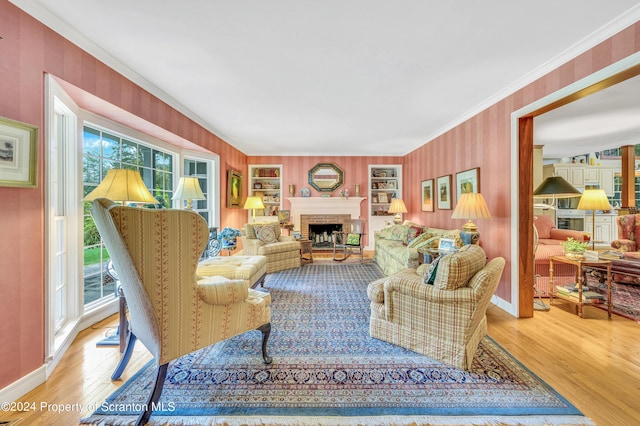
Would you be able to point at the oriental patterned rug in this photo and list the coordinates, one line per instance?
(328, 371)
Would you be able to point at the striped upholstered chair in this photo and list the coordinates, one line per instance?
(445, 320)
(155, 253)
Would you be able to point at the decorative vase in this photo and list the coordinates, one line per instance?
(574, 255)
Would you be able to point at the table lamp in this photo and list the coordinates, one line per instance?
(122, 185)
(253, 203)
(397, 206)
(470, 206)
(594, 199)
(189, 189)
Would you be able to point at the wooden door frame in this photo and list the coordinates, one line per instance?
(522, 172)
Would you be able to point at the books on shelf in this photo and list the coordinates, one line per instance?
(570, 291)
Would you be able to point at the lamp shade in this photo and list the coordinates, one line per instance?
(122, 185)
(556, 186)
(253, 203)
(188, 189)
(397, 206)
(594, 199)
(471, 206)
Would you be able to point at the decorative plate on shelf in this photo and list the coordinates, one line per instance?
(305, 192)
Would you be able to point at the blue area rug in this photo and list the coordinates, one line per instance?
(328, 371)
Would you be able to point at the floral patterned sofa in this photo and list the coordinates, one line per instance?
(396, 246)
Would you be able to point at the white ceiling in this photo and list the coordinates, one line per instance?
(604, 120)
(334, 77)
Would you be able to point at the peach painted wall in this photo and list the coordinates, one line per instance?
(28, 50)
(484, 141)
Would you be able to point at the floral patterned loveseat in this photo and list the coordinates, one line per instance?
(396, 246)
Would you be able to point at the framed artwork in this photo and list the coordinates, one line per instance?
(284, 216)
(234, 189)
(467, 181)
(443, 185)
(427, 195)
(382, 197)
(18, 154)
(446, 245)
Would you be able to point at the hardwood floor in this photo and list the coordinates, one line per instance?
(593, 362)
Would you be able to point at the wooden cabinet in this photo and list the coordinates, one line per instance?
(265, 181)
(385, 183)
(602, 229)
(580, 175)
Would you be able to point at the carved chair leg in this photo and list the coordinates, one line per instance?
(126, 356)
(154, 397)
(266, 331)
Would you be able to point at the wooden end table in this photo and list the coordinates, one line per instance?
(580, 302)
(306, 252)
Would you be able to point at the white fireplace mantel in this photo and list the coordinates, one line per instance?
(324, 205)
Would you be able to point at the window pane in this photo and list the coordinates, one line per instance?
(91, 169)
(130, 154)
(91, 142)
(110, 146)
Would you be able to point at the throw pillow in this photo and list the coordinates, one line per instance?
(419, 240)
(456, 269)
(353, 239)
(413, 232)
(266, 234)
(432, 270)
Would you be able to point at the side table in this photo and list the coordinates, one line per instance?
(427, 255)
(306, 252)
(579, 280)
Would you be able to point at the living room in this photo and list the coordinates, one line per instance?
(480, 140)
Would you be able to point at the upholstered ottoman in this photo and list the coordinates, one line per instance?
(250, 269)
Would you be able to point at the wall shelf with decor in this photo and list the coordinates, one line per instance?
(385, 184)
(265, 181)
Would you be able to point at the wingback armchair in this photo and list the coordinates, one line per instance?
(155, 253)
(265, 239)
(445, 320)
(628, 233)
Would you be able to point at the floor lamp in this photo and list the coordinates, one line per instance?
(594, 199)
(552, 187)
(121, 185)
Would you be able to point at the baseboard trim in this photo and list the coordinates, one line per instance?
(24, 384)
(40, 375)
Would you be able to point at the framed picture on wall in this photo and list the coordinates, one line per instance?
(467, 181)
(443, 187)
(234, 189)
(18, 154)
(427, 195)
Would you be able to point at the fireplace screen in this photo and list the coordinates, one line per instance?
(322, 235)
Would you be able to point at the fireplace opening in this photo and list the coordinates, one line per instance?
(321, 234)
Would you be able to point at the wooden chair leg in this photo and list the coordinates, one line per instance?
(266, 331)
(154, 397)
(126, 356)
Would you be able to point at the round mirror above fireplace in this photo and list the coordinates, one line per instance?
(326, 177)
